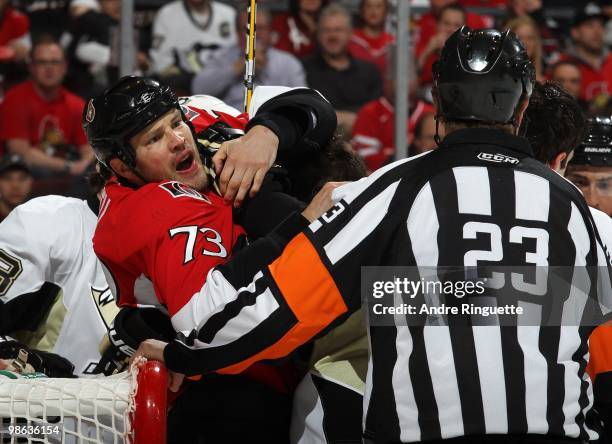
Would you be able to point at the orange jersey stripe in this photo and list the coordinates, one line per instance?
(600, 349)
(310, 292)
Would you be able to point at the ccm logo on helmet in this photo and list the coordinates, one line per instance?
(498, 158)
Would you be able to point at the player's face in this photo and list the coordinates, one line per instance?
(165, 150)
(48, 66)
(596, 185)
(569, 77)
(374, 12)
(15, 187)
(334, 34)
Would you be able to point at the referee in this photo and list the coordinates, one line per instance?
(479, 199)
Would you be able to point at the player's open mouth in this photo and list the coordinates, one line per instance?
(186, 164)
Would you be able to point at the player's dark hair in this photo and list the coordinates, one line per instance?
(337, 163)
(554, 122)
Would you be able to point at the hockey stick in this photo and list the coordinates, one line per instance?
(249, 69)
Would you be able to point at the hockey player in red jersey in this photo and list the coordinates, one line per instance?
(162, 227)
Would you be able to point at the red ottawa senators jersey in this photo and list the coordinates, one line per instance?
(159, 242)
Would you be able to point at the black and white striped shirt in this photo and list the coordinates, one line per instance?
(479, 197)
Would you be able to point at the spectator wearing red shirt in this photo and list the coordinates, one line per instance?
(590, 54)
(374, 129)
(41, 120)
(451, 18)
(295, 31)
(425, 27)
(371, 42)
(14, 32)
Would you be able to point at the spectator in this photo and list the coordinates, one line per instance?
(94, 49)
(567, 74)
(450, 18)
(223, 76)
(14, 32)
(41, 119)
(590, 54)
(185, 35)
(295, 32)
(374, 130)
(371, 42)
(426, 28)
(526, 29)
(15, 183)
(348, 83)
(591, 167)
(424, 134)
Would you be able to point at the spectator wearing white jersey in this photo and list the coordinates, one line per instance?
(186, 34)
(223, 76)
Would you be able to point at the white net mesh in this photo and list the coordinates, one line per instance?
(57, 410)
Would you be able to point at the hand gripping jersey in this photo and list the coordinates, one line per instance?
(45, 248)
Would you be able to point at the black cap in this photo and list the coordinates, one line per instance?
(596, 148)
(587, 12)
(13, 162)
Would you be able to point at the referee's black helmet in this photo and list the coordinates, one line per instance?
(120, 112)
(482, 75)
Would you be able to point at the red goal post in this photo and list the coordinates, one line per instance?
(127, 408)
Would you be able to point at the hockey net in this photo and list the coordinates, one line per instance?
(128, 408)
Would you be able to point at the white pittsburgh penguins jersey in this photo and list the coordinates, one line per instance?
(48, 240)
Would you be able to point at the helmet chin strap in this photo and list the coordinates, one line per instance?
(437, 136)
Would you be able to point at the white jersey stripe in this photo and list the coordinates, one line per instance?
(487, 342)
(532, 196)
(536, 373)
(444, 380)
(473, 190)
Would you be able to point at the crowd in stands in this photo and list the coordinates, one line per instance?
(55, 54)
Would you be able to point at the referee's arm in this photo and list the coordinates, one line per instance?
(282, 291)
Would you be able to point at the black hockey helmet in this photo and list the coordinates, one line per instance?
(482, 75)
(596, 148)
(120, 112)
